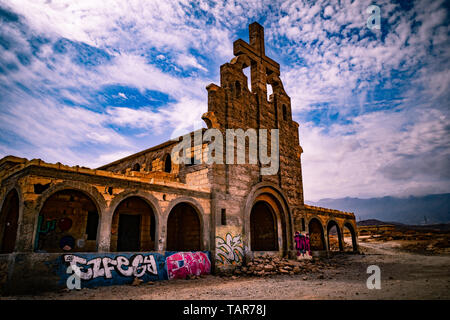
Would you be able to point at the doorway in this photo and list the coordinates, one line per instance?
(129, 232)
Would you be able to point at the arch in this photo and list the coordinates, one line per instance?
(184, 226)
(335, 243)
(136, 167)
(354, 246)
(9, 221)
(272, 194)
(316, 235)
(269, 90)
(68, 221)
(264, 233)
(149, 166)
(134, 224)
(237, 85)
(285, 117)
(87, 189)
(167, 163)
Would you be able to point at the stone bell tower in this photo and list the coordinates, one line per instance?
(233, 105)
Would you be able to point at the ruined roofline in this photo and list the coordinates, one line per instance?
(11, 159)
(140, 153)
(155, 178)
(321, 209)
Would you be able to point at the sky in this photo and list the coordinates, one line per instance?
(88, 82)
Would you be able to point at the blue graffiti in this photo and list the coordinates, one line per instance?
(95, 269)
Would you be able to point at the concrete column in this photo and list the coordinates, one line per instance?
(27, 228)
(104, 233)
(162, 233)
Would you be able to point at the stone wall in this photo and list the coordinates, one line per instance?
(106, 192)
(38, 272)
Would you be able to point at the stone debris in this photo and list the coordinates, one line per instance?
(136, 282)
(267, 265)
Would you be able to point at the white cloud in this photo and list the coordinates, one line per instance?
(190, 61)
(389, 153)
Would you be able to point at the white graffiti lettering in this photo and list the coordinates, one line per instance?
(108, 264)
(138, 269)
(151, 264)
(97, 270)
(103, 267)
(229, 251)
(122, 261)
(73, 263)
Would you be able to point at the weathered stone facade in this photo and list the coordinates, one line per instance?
(146, 202)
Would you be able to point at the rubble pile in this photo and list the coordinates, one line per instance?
(271, 265)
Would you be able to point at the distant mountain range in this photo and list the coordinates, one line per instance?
(430, 209)
(440, 227)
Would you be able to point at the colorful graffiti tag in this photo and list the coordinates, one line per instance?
(229, 250)
(112, 269)
(182, 264)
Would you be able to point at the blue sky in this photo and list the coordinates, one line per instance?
(88, 82)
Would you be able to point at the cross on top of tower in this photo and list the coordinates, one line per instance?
(262, 67)
(256, 49)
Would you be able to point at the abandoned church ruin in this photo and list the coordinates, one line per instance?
(147, 216)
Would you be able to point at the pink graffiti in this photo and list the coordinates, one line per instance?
(182, 264)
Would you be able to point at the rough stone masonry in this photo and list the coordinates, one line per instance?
(146, 204)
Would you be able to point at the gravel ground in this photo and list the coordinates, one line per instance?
(403, 276)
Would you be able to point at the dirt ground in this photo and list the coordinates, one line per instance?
(404, 275)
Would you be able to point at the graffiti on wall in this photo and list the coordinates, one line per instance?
(182, 264)
(136, 266)
(229, 250)
(50, 225)
(302, 245)
(112, 269)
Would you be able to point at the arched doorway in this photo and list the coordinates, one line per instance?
(183, 229)
(263, 228)
(349, 238)
(168, 164)
(68, 221)
(316, 237)
(9, 222)
(334, 237)
(133, 226)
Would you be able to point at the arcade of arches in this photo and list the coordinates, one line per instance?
(337, 240)
(69, 220)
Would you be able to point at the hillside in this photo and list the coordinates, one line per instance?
(430, 209)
